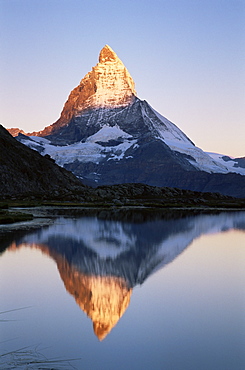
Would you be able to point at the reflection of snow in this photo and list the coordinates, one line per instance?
(106, 238)
(195, 227)
(110, 239)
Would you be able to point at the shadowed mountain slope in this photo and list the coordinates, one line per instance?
(24, 171)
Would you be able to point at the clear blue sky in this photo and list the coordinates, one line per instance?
(187, 58)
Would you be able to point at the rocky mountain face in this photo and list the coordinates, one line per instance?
(106, 135)
(24, 171)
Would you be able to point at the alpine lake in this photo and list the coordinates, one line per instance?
(123, 289)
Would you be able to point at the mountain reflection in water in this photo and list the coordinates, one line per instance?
(100, 261)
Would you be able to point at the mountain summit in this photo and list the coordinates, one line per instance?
(108, 55)
(108, 85)
(106, 135)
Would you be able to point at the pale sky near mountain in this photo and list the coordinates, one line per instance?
(187, 58)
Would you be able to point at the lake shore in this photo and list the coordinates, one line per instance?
(15, 211)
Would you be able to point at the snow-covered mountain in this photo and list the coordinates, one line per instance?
(106, 135)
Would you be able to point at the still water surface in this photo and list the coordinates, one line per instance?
(141, 293)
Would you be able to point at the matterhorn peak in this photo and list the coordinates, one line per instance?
(107, 135)
(108, 55)
(108, 85)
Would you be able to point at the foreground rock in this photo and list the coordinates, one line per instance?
(24, 172)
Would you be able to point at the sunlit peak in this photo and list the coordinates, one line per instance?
(107, 55)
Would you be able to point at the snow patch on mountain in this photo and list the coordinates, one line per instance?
(90, 151)
(82, 152)
(107, 133)
(230, 165)
(40, 140)
(201, 160)
(118, 152)
(177, 141)
(168, 130)
(34, 142)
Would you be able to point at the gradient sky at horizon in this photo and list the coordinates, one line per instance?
(187, 58)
